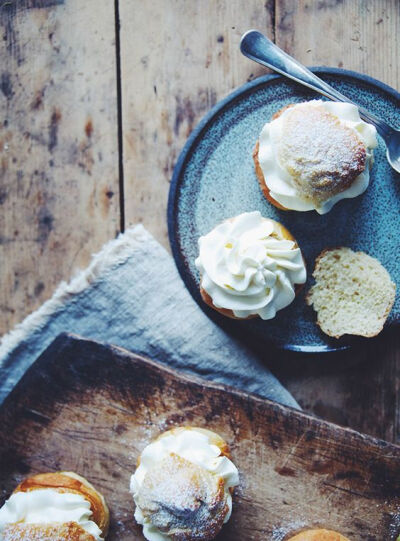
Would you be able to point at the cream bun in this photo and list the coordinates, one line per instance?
(249, 266)
(183, 485)
(60, 505)
(313, 154)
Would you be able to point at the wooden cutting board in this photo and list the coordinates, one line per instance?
(92, 408)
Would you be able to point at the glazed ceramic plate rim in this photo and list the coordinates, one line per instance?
(176, 180)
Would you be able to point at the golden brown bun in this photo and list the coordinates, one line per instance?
(322, 156)
(281, 233)
(72, 483)
(46, 532)
(183, 500)
(318, 535)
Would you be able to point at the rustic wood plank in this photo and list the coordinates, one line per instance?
(178, 59)
(364, 36)
(359, 389)
(59, 191)
(92, 409)
(360, 35)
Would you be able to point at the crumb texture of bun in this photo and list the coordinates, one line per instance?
(69, 531)
(353, 293)
(318, 535)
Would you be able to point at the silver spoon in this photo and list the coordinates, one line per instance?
(259, 48)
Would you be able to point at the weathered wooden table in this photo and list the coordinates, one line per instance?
(97, 98)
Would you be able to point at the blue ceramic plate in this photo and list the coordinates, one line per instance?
(214, 179)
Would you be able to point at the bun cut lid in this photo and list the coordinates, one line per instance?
(313, 154)
(322, 155)
(353, 293)
(183, 500)
(319, 535)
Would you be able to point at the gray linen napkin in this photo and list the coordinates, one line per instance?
(132, 296)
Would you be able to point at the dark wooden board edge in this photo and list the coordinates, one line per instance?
(67, 341)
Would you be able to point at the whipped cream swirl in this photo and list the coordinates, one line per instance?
(279, 181)
(245, 266)
(193, 446)
(46, 505)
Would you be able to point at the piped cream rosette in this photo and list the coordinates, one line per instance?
(250, 266)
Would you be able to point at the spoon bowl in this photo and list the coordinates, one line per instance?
(393, 150)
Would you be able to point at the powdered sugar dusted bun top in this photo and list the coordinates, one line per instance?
(182, 486)
(316, 153)
(248, 267)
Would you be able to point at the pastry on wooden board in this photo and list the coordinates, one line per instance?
(313, 154)
(183, 485)
(353, 293)
(49, 506)
(249, 266)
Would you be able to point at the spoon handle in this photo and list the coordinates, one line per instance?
(259, 48)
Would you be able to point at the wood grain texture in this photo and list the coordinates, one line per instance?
(360, 35)
(178, 59)
(358, 389)
(92, 409)
(59, 195)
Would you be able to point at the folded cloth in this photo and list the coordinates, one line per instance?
(132, 296)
